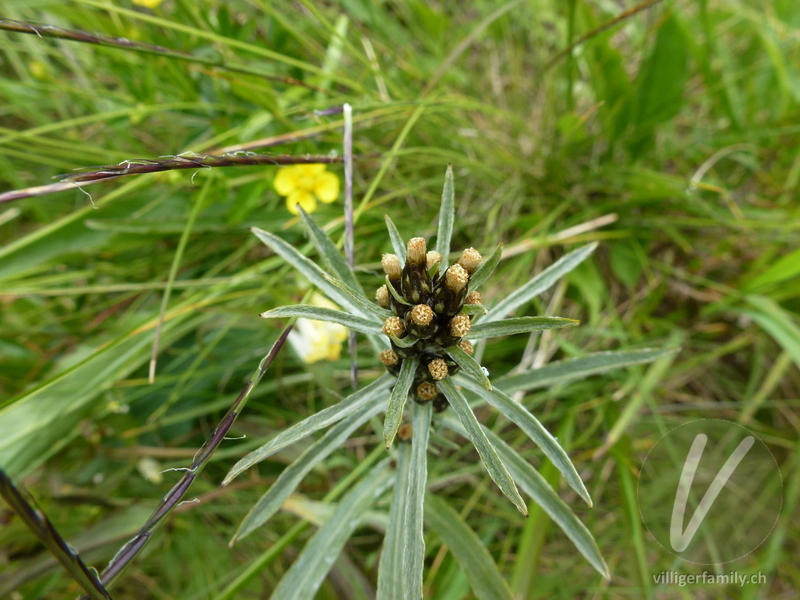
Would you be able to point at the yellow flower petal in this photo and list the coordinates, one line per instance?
(326, 187)
(306, 201)
(310, 171)
(286, 181)
(147, 3)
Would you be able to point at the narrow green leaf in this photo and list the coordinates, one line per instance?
(523, 419)
(534, 485)
(330, 253)
(468, 550)
(405, 342)
(397, 401)
(485, 270)
(291, 477)
(776, 321)
(402, 559)
(469, 365)
(578, 368)
(369, 307)
(489, 457)
(308, 268)
(786, 267)
(447, 213)
(315, 422)
(318, 313)
(474, 309)
(541, 283)
(307, 573)
(395, 293)
(397, 242)
(518, 325)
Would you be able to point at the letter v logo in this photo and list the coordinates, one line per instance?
(680, 540)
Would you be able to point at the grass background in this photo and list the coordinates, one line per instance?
(671, 138)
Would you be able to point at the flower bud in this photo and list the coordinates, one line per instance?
(470, 259)
(466, 346)
(404, 432)
(393, 326)
(473, 298)
(389, 357)
(416, 249)
(456, 278)
(438, 369)
(391, 266)
(432, 258)
(422, 315)
(427, 391)
(459, 325)
(382, 296)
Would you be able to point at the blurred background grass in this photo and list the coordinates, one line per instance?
(670, 137)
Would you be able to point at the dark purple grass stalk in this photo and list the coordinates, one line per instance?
(187, 160)
(348, 224)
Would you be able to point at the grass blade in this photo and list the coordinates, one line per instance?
(532, 483)
(485, 270)
(291, 477)
(468, 550)
(317, 313)
(485, 330)
(523, 419)
(578, 368)
(41, 526)
(447, 213)
(392, 568)
(397, 401)
(307, 573)
(359, 299)
(315, 422)
(397, 242)
(491, 461)
(310, 270)
(541, 283)
(330, 253)
(469, 365)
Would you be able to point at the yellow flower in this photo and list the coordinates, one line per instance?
(303, 185)
(147, 3)
(318, 340)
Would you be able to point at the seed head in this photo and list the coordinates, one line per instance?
(422, 314)
(470, 259)
(472, 298)
(416, 250)
(405, 432)
(432, 258)
(459, 325)
(389, 357)
(382, 296)
(438, 369)
(426, 391)
(391, 266)
(394, 326)
(456, 278)
(466, 346)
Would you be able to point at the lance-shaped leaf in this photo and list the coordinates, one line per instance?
(41, 526)
(317, 313)
(315, 422)
(397, 401)
(523, 419)
(469, 365)
(402, 559)
(395, 294)
(405, 342)
(485, 269)
(330, 253)
(578, 368)
(468, 550)
(291, 477)
(491, 461)
(474, 309)
(534, 485)
(541, 283)
(447, 215)
(307, 573)
(517, 325)
(397, 242)
(307, 267)
(369, 307)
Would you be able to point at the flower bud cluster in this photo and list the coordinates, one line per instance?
(426, 303)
